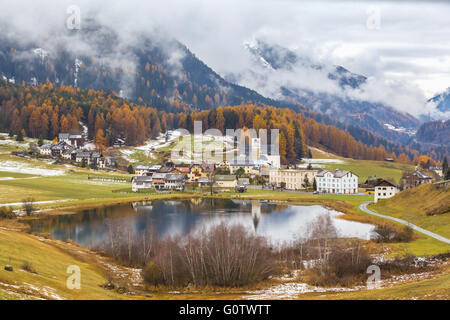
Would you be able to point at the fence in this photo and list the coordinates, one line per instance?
(110, 179)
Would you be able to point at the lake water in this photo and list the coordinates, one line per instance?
(278, 222)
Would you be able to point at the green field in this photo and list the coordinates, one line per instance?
(414, 204)
(365, 168)
(50, 264)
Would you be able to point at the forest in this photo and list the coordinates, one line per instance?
(47, 110)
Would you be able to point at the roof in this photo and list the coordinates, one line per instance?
(159, 175)
(225, 178)
(336, 174)
(183, 169)
(142, 167)
(83, 154)
(63, 136)
(175, 177)
(387, 183)
(142, 179)
(421, 175)
(203, 180)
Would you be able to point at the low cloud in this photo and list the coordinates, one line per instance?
(407, 60)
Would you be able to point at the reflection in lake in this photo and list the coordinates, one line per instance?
(278, 222)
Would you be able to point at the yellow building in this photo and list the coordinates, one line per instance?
(197, 171)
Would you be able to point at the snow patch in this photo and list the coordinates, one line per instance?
(20, 167)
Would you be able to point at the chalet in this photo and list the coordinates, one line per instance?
(292, 179)
(83, 156)
(46, 150)
(97, 160)
(118, 143)
(199, 170)
(175, 182)
(182, 170)
(67, 154)
(225, 181)
(142, 170)
(60, 147)
(339, 182)
(147, 170)
(250, 167)
(159, 181)
(74, 140)
(141, 183)
(385, 190)
(415, 179)
(90, 159)
(203, 182)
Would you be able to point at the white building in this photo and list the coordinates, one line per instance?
(141, 183)
(338, 182)
(292, 179)
(385, 190)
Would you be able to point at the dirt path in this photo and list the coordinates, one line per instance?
(364, 208)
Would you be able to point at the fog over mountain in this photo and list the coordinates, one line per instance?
(405, 61)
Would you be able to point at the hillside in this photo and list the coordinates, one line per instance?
(47, 110)
(432, 214)
(435, 132)
(280, 72)
(152, 69)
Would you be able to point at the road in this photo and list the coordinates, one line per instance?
(364, 208)
(16, 204)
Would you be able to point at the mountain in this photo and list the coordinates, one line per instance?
(441, 106)
(435, 132)
(280, 73)
(155, 70)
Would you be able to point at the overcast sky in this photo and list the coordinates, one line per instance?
(409, 47)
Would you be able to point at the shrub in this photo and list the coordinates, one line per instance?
(222, 256)
(7, 213)
(28, 267)
(28, 206)
(388, 234)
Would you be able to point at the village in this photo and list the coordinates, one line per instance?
(253, 167)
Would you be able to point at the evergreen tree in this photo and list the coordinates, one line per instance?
(447, 175)
(19, 136)
(299, 142)
(130, 169)
(315, 185)
(40, 141)
(444, 166)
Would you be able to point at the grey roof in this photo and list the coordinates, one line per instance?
(142, 179)
(63, 136)
(336, 174)
(142, 167)
(204, 180)
(46, 146)
(83, 154)
(421, 175)
(159, 175)
(225, 178)
(175, 177)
